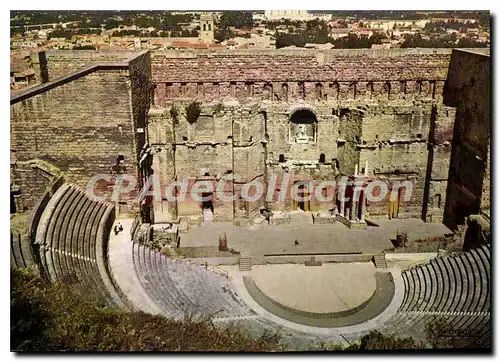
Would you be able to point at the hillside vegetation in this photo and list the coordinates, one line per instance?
(59, 318)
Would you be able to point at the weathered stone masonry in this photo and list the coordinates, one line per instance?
(296, 114)
(468, 89)
(381, 107)
(83, 122)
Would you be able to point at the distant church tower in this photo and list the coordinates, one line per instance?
(207, 28)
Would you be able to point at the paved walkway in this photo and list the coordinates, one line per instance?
(122, 269)
(257, 240)
(332, 287)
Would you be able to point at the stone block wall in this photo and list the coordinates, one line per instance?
(83, 122)
(312, 76)
(58, 63)
(368, 106)
(380, 107)
(468, 90)
(30, 179)
(141, 91)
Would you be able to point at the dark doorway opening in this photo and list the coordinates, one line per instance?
(463, 210)
(12, 203)
(303, 202)
(207, 203)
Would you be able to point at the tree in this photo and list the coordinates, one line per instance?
(84, 47)
(484, 19)
(111, 23)
(470, 43)
(222, 34)
(376, 38)
(60, 33)
(237, 19)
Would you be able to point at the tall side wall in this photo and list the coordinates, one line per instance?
(468, 89)
(80, 126)
(52, 64)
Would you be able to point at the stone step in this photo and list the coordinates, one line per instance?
(245, 264)
(208, 216)
(301, 218)
(481, 274)
(444, 280)
(416, 290)
(379, 261)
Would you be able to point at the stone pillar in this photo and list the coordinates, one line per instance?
(363, 205)
(18, 201)
(341, 196)
(352, 215)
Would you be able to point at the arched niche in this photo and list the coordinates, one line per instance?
(303, 126)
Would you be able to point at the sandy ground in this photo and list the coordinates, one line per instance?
(331, 287)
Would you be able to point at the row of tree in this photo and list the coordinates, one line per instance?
(447, 41)
(322, 37)
(164, 21)
(441, 26)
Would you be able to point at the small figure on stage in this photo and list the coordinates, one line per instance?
(118, 228)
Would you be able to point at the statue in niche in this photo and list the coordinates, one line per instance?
(267, 92)
(303, 134)
(302, 126)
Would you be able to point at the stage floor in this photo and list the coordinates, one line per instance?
(332, 287)
(264, 239)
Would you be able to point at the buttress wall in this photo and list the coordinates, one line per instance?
(83, 124)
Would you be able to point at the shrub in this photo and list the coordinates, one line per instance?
(219, 107)
(193, 111)
(376, 340)
(401, 239)
(234, 251)
(61, 318)
(174, 113)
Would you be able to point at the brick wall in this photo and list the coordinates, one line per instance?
(32, 180)
(140, 95)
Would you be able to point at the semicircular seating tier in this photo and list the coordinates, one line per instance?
(452, 292)
(72, 238)
(180, 288)
(21, 255)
